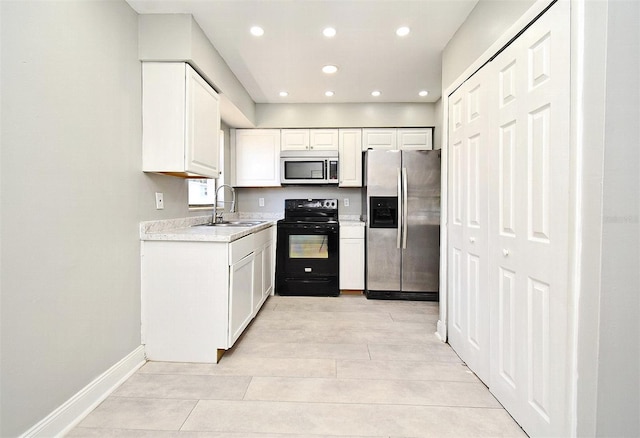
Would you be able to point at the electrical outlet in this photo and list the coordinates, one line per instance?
(159, 201)
(346, 202)
(261, 202)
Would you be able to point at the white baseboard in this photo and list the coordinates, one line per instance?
(71, 412)
(441, 331)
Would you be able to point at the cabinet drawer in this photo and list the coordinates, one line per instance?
(351, 232)
(240, 248)
(262, 237)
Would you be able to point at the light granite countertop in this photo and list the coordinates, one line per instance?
(187, 230)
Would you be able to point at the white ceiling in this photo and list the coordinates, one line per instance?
(290, 54)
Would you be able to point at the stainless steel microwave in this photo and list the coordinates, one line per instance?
(309, 167)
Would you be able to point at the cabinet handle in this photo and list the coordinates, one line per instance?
(472, 239)
(505, 252)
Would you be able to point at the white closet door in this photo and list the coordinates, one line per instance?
(468, 226)
(529, 206)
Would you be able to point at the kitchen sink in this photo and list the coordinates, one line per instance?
(232, 224)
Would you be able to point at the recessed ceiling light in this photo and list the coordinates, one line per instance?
(403, 31)
(283, 94)
(329, 69)
(423, 93)
(329, 93)
(257, 31)
(329, 32)
(375, 93)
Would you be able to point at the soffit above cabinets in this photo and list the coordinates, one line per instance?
(291, 53)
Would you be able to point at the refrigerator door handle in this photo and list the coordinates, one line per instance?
(405, 208)
(400, 218)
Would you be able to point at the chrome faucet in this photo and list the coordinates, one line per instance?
(216, 218)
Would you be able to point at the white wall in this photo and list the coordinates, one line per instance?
(437, 134)
(608, 359)
(177, 37)
(72, 197)
(345, 115)
(484, 25)
(619, 338)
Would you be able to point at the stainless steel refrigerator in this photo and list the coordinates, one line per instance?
(403, 224)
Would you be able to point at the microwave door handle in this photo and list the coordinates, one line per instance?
(399, 212)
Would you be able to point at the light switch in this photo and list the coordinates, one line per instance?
(261, 202)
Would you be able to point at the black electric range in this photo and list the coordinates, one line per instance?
(307, 256)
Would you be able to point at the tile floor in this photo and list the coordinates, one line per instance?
(313, 367)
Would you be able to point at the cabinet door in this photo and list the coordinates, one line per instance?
(529, 205)
(240, 297)
(468, 223)
(202, 122)
(323, 139)
(258, 279)
(256, 154)
(350, 158)
(268, 272)
(352, 264)
(415, 139)
(379, 138)
(294, 139)
(163, 130)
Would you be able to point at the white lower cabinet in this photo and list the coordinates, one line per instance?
(198, 297)
(352, 256)
(263, 268)
(241, 290)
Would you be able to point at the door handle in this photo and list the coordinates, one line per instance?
(505, 252)
(399, 237)
(472, 239)
(405, 208)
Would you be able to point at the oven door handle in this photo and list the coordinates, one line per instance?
(309, 230)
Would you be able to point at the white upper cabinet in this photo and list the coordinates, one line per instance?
(323, 139)
(379, 138)
(180, 121)
(294, 139)
(309, 139)
(255, 157)
(415, 139)
(398, 139)
(350, 158)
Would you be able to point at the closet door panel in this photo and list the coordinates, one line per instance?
(469, 304)
(529, 205)
(457, 296)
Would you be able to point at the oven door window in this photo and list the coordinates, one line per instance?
(314, 246)
(304, 170)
